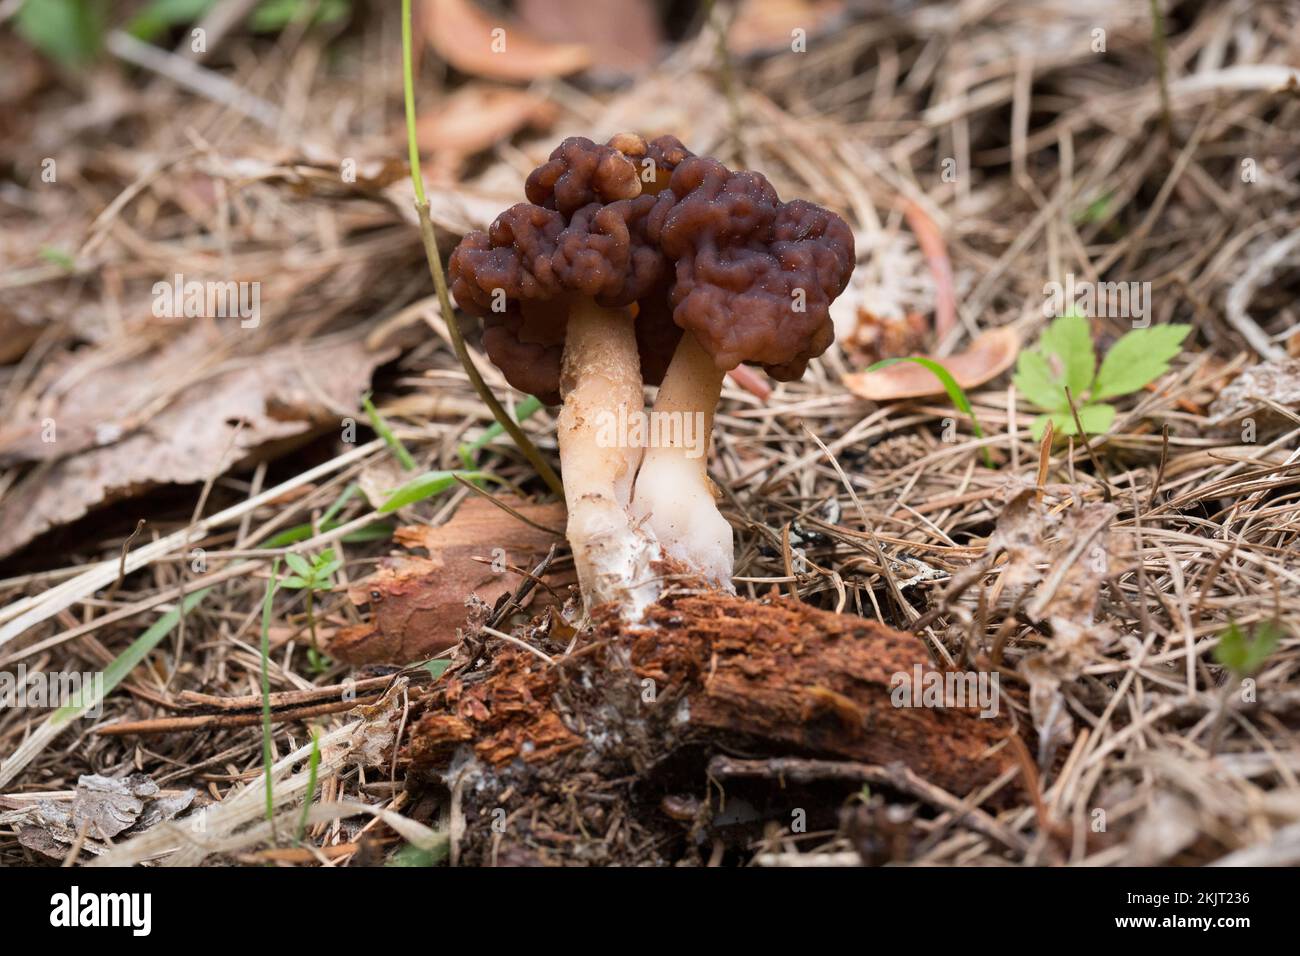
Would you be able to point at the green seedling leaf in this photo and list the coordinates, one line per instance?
(161, 15)
(1140, 357)
(1035, 381)
(412, 855)
(956, 394)
(1064, 357)
(272, 16)
(436, 668)
(59, 258)
(1096, 420)
(1095, 211)
(295, 583)
(1244, 657)
(68, 31)
(299, 564)
(1069, 340)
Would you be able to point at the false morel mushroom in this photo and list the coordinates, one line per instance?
(556, 281)
(754, 280)
(638, 263)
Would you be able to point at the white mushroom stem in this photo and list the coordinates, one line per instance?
(600, 383)
(673, 494)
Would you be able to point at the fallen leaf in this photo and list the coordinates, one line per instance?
(418, 604)
(17, 334)
(764, 26)
(988, 357)
(495, 47)
(478, 116)
(935, 250)
(207, 427)
(624, 36)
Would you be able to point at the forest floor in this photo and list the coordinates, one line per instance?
(1134, 597)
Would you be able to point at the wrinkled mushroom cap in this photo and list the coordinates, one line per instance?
(754, 277)
(583, 232)
(689, 243)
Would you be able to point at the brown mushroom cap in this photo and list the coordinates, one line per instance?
(584, 232)
(755, 277)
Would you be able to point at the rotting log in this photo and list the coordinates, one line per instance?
(562, 751)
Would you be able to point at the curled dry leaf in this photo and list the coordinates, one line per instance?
(624, 36)
(418, 604)
(478, 116)
(988, 357)
(206, 427)
(764, 26)
(495, 47)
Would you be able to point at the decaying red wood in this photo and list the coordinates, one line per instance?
(779, 677)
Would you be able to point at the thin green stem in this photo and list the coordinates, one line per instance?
(408, 89)
(266, 692)
(430, 238)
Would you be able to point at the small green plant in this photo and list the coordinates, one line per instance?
(313, 767)
(267, 760)
(1245, 656)
(1065, 358)
(312, 576)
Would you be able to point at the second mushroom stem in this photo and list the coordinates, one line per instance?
(600, 383)
(673, 495)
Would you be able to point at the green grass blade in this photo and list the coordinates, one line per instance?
(125, 662)
(429, 484)
(313, 763)
(956, 394)
(391, 440)
(469, 450)
(266, 690)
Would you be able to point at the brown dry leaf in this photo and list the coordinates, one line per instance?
(478, 116)
(418, 604)
(17, 333)
(463, 35)
(624, 36)
(97, 397)
(762, 26)
(254, 407)
(988, 357)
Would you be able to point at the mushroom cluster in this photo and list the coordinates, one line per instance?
(638, 263)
